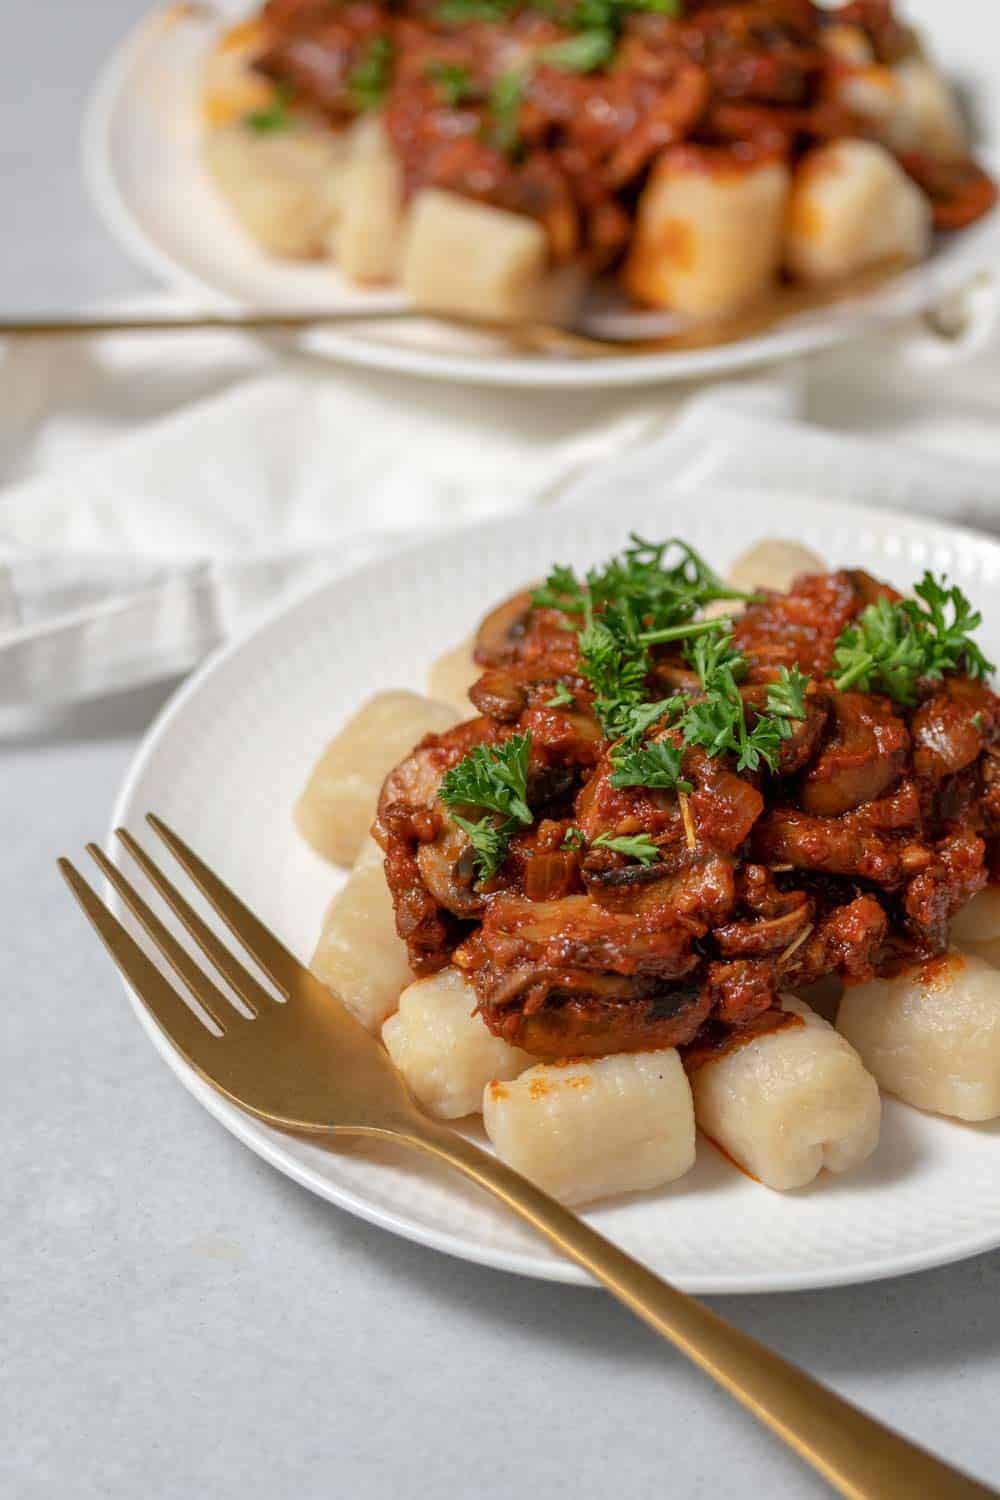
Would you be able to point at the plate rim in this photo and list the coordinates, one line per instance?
(267, 1143)
(777, 344)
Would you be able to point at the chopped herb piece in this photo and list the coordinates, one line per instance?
(494, 778)
(459, 12)
(637, 846)
(892, 645)
(505, 100)
(787, 697)
(275, 116)
(369, 79)
(580, 54)
(490, 843)
(561, 698)
(452, 81)
(655, 765)
(573, 839)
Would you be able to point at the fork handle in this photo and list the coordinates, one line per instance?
(857, 1455)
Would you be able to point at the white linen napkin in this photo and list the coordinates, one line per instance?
(171, 486)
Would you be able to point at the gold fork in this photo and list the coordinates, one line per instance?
(309, 1068)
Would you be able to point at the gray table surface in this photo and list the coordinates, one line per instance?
(177, 1318)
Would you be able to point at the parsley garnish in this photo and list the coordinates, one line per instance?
(718, 723)
(561, 698)
(649, 594)
(787, 697)
(489, 842)
(275, 117)
(637, 846)
(458, 12)
(655, 765)
(580, 54)
(573, 839)
(493, 779)
(891, 646)
(368, 80)
(452, 81)
(505, 100)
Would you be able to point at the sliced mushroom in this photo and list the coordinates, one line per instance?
(448, 871)
(861, 761)
(500, 633)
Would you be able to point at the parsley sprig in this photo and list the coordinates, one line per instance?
(718, 721)
(650, 594)
(368, 81)
(637, 846)
(492, 779)
(657, 765)
(892, 645)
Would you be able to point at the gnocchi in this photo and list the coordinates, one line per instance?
(708, 240)
(358, 955)
(284, 188)
(932, 1035)
(772, 564)
(335, 811)
(443, 1048)
(851, 207)
(585, 1129)
(452, 675)
(366, 238)
(979, 922)
(471, 258)
(789, 1103)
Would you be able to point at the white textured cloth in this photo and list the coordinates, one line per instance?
(162, 490)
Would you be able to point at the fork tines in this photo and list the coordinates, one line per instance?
(164, 1002)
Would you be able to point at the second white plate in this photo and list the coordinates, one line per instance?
(142, 159)
(224, 765)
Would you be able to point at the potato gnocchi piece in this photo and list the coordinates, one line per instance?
(335, 811)
(852, 206)
(772, 564)
(978, 922)
(452, 675)
(932, 1036)
(444, 1050)
(595, 1127)
(910, 106)
(366, 240)
(359, 955)
(470, 258)
(789, 1103)
(283, 187)
(708, 240)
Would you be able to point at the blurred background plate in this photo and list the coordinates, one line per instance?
(226, 761)
(141, 156)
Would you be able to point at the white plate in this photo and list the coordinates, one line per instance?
(227, 759)
(141, 158)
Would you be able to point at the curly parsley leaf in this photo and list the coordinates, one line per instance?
(947, 641)
(452, 81)
(893, 644)
(368, 80)
(492, 777)
(275, 116)
(561, 698)
(656, 765)
(637, 846)
(786, 698)
(573, 839)
(505, 99)
(584, 53)
(718, 721)
(490, 842)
